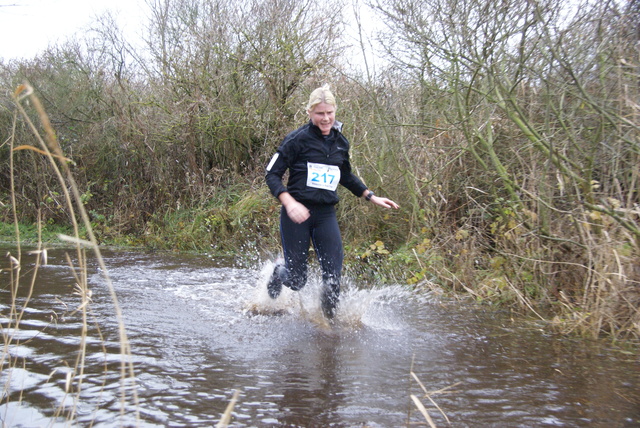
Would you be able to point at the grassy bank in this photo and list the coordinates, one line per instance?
(32, 234)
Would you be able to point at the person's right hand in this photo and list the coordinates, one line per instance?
(297, 212)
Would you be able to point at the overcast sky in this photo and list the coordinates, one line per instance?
(28, 26)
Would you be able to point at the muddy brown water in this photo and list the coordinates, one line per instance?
(202, 328)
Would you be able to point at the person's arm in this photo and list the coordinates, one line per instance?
(274, 172)
(383, 202)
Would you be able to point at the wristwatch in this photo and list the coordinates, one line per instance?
(369, 195)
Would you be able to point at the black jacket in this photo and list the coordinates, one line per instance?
(307, 145)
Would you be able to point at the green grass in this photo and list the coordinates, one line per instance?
(29, 233)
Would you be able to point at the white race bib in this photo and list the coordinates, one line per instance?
(323, 176)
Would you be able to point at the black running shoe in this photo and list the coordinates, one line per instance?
(274, 286)
(329, 301)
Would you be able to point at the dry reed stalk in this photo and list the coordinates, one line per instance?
(522, 298)
(423, 410)
(226, 417)
(429, 394)
(15, 317)
(51, 149)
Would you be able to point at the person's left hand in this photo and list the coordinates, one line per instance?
(384, 202)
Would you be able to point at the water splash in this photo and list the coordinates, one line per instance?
(358, 308)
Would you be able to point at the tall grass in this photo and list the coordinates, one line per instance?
(35, 117)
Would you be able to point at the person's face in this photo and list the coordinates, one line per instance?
(323, 116)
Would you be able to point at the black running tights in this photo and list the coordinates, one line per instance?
(322, 230)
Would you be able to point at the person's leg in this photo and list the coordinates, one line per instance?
(279, 274)
(295, 246)
(327, 242)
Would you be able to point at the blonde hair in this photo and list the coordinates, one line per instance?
(321, 95)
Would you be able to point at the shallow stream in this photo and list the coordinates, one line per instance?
(200, 329)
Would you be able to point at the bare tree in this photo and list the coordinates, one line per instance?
(286, 41)
(539, 96)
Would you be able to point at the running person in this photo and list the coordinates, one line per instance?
(317, 158)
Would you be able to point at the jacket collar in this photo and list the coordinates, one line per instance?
(336, 125)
